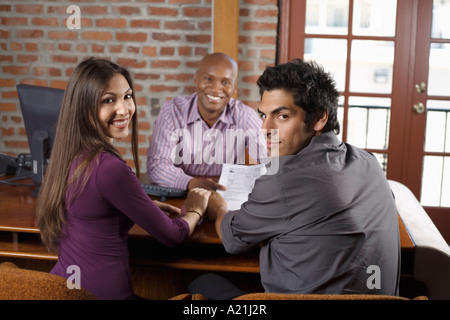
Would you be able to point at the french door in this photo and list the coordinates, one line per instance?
(391, 63)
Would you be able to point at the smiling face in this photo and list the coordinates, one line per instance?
(116, 108)
(216, 83)
(278, 111)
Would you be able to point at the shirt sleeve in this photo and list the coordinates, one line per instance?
(119, 186)
(263, 216)
(161, 169)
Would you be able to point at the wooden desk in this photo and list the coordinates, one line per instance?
(158, 272)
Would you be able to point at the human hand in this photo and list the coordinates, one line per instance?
(216, 206)
(207, 184)
(197, 200)
(168, 208)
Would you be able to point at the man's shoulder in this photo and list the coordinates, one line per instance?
(179, 103)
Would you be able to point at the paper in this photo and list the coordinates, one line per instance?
(239, 181)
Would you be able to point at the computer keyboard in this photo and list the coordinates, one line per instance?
(163, 192)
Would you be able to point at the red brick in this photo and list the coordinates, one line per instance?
(183, 77)
(266, 13)
(259, 26)
(112, 23)
(36, 82)
(51, 22)
(29, 33)
(29, 8)
(15, 69)
(8, 132)
(184, 51)
(62, 35)
(145, 24)
(46, 71)
(7, 106)
(146, 76)
(7, 83)
(179, 25)
(59, 84)
(149, 51)
(94, 10)
(65, 59)
(163, 88)
(96, 35)
(166, 51)
(131, 63)
(166, 64)
(157, 11)
(15, 46)
(24, 58)
(197, 12)
(13, 21)
(126, 36)
(165, 37)
(200, 38)
(126, 10)
(6, 58)
(115, 48)
(5, 8)
(14, 144)
(9, 94)
(5, 34)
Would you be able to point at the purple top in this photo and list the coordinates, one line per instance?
(97, 223)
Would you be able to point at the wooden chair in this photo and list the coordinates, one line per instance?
(23, 284)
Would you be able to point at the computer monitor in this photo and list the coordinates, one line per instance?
(40, 110)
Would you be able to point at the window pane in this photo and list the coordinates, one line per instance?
(437, 134)
(374, 17)
(319, 50)
(439, 69)
(431, 181)
(435, 181)
(371, 66)
(368, 122)
(326, 17)
(441, 23)
(340, 116)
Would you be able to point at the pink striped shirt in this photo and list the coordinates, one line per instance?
(183, 145)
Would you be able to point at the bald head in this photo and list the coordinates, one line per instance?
(218, 59)
(216, 81)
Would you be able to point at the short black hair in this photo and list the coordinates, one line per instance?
(312, 89)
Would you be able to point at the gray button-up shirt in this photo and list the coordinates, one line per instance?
(326, 222)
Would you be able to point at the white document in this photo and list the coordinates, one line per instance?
(239, 181)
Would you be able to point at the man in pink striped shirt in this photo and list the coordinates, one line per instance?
(194, 135)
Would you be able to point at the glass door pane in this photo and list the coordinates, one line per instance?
(372, 65)
(374, 17)
(326, 16)
(317, 49)
(439, 69)
(440, 28)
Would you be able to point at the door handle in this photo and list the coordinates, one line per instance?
(421, 87)
(419, 108)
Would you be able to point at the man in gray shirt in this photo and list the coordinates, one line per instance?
(326, 220)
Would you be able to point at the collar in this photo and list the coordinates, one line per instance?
(226, 116)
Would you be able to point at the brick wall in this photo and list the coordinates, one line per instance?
(160, 41)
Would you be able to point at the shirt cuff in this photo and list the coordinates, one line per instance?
(182, 181)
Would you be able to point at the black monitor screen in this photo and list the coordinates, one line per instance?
(40, 110)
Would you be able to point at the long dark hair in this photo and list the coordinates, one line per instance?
(80, 138)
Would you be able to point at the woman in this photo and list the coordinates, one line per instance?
(90, 198)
